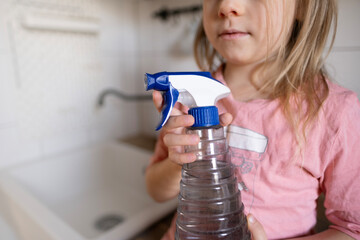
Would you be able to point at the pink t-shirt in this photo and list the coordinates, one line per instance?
(282, 187)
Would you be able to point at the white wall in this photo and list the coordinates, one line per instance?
(344, 61)
(164, 46)
(50, 79)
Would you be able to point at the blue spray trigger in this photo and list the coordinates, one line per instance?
(193, 89)
(160, 82)
(170, 97)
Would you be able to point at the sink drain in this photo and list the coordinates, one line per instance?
(108, 221)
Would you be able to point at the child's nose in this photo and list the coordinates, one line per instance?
(230, 8)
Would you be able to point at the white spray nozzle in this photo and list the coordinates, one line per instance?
(197, 90)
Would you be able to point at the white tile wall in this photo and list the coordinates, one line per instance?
(8, 123)
(4, 8)
(50, 80)
(7, 90)
(344, 60)
(344, 68)
(348, 34)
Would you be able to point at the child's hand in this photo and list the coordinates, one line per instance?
(173, 133)
(256, 229)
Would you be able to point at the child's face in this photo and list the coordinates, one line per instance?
(246, 31)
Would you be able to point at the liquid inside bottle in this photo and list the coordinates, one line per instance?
(209, 203)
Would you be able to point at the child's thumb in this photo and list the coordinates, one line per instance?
(226, 119)
(256, 229)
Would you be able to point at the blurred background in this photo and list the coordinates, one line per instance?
(57, 56)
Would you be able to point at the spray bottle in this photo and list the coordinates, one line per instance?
(209, 203)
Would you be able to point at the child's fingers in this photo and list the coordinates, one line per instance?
(226, 119)
(176, 142)
(158, 100)
(173, 139)
(180, 158)
(178, 121)
(256, 229)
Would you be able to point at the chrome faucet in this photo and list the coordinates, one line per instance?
(121, 95)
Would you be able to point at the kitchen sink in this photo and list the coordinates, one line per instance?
(96, 192)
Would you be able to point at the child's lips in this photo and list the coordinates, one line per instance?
(233, 34)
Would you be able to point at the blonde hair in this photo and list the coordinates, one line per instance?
(298, 72)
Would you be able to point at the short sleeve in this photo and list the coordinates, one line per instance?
(341, 182)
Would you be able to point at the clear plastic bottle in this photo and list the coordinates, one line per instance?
(210, 205)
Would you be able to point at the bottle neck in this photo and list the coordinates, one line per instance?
(209, 132)
(212, 142)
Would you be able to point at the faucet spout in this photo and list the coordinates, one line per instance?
(121, 95)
